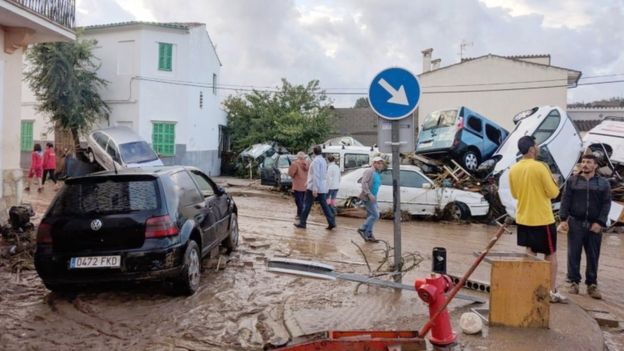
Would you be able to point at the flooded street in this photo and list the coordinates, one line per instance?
(242, 306)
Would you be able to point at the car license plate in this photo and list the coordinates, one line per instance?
(95, 262)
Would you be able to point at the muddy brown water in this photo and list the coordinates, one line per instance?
(242, 306)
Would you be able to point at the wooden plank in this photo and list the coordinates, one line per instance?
(519, 293)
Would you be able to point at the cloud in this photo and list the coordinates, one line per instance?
(344, 44)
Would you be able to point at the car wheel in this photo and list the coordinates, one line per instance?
(457, 211)
(354, 202)
(470, 160)
(231, 242)
(90, 156)
(58, 288)
(191, 274)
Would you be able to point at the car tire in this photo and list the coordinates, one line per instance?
(457, 211)
(231, 242)
(470, 160)
(191, 270)
(58, 288)
(90, 156)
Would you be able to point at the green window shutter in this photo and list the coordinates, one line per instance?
(26, 136)
(163, 138)
(165, 54)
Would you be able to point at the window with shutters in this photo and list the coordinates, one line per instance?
(26, 136)
(163, 138)
(165, 56)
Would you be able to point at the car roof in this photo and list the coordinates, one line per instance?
(120, 134)
(155, 171)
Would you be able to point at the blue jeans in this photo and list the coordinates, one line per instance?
(372, 215)
(307, 206)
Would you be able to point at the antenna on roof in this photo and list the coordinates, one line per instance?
(462, 48)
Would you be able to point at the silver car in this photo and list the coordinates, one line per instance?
(120, 147)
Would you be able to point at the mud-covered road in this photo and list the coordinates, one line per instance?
(242, 306)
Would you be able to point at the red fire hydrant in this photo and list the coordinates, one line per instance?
(432, 291)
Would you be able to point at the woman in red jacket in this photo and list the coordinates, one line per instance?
(36, 167)
(49, 165)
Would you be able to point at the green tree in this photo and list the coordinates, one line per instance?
(361, 103)
(63, 78)
(295, 116)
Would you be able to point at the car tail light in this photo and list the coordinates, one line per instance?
(44, 234)
(460, 123)
(160, 227)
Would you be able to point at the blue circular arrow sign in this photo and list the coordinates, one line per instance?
(394, 93)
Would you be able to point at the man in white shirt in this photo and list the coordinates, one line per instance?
(316, 190)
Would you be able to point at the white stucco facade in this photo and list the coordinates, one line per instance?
(20, 26)
(140, 94)
(497, 87)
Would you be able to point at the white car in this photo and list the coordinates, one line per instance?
(606, 140)
(120, 147)
(560, 147)
(419, 195)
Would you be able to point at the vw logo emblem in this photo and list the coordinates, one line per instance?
(96, 225)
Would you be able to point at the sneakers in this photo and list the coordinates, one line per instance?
(592, 290)
(573, 289)
(299, 225)
(368, 238)
(362, 234)
(556, 297)
(331, 226)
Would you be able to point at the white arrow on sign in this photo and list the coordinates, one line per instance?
(398, 95)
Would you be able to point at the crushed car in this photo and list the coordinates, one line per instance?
(606, 142)
(274, 171)
(119, 147)
(420, 196)
(461, 134)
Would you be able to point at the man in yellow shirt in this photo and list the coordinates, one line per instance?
(533, 186)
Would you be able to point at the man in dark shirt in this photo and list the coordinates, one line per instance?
(585, 206)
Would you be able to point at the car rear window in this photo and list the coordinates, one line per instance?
(107, 196)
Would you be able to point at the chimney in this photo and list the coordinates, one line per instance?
(435, 64)
(427, 60)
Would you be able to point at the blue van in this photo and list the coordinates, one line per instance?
(461, 134)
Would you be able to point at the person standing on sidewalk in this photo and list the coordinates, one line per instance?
(533, 185)
(49, 165)
(371, 181)
(333, 182)
(298, 172)
(316, 189)
(585, 206)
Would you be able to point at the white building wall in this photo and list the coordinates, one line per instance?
(483, 88)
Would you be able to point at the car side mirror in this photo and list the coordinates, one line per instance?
(427, 186)
(220, 191)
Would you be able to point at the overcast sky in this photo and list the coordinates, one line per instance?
(344, 43)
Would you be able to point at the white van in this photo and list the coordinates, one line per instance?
(606, 140)
(560, 147)
(350, 157)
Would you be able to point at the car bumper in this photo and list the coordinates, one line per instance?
(479, 210)
(135, 266)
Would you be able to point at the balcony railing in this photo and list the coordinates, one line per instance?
(62, 12)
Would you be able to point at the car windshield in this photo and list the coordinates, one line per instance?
(137, 152)
(440, 119)
(109, 196)
(284, 161)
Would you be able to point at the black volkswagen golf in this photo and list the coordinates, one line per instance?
(134, 224)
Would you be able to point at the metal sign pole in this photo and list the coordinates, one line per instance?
(396, 202)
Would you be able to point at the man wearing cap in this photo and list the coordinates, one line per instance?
(533, 186)
(371, 181)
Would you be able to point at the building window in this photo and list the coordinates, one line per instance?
(163, 138)
(214, 83)
(26, 136)
(165, 54)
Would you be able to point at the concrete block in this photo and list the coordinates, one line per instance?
(605, 319)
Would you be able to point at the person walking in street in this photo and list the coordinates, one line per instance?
(36, 168)
(533, 185)
(316, 189)
(49, 165)
(371, 181)
(298, 172)
(585, 206)
(333, 182)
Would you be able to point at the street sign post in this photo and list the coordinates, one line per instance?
(394, 94)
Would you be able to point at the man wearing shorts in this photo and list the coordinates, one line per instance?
(533, 186)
